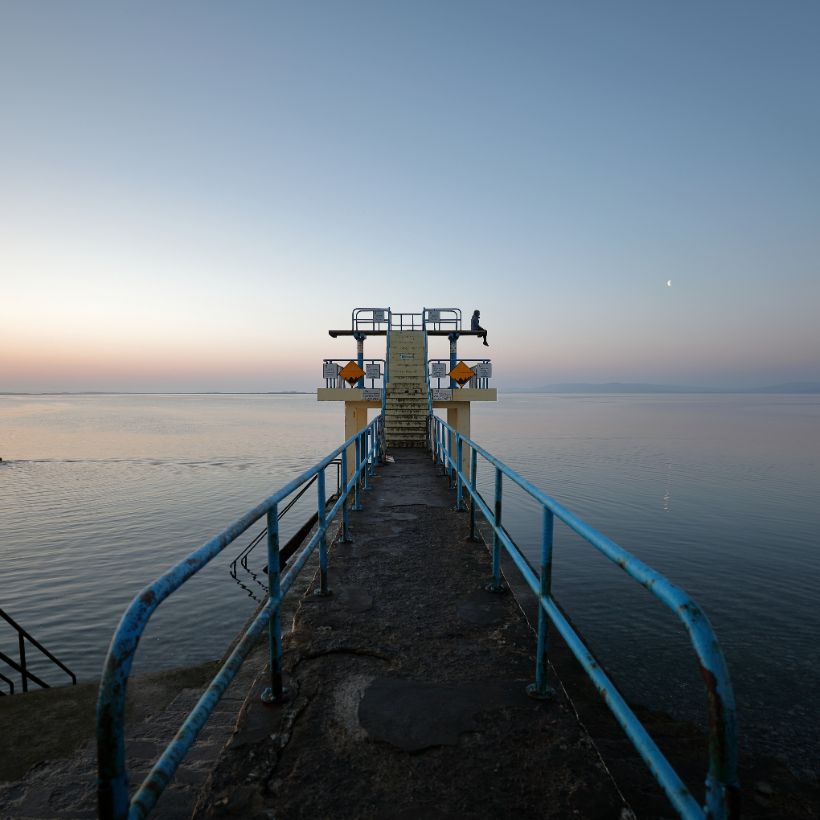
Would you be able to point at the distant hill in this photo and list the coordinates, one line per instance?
(630, 387)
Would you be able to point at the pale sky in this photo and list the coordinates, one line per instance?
(191, 194)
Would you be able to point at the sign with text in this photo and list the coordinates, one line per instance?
(330, 370)
(442, 394)
(378, 316)
(372, 371)
(371, 395)
(483, 370)
(433, 315)
(438, 370)
(406, 356)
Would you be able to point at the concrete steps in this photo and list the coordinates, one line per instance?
(406, 402)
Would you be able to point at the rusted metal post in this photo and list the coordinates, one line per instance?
(357, 502)
(276, 692)
(473, 478)
(346, 539)
(540, 689)
(323, 591)
(496, 584)
(459, 450)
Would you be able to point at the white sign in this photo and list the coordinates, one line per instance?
(372, 371)
(405, 356)
(433, 315)
(330, 370)
(371, 395)
(442, 394)
(483, 370)
(378, 315)
(438, 370)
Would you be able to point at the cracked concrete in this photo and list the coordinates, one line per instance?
(407, 687)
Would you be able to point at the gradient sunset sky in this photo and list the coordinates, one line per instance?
(191, 194)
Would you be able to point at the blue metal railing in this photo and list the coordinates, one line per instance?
(112, 783)
(336, 381)
(721, 782)
(442, 318)
(481, 382)
(370, 319)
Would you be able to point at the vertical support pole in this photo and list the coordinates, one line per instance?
(346, 539)
(449, 458)
(276, 693)
(473, 478)
(453, 337)
(459, 453)
(360, 355)
(540, 689)
(365, 457)
(21, 642)
(496, 585)
(323, 591)
(357, 501)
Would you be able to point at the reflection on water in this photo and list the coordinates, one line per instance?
(99, 494)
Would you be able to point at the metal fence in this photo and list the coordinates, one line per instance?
(721, 801)
(112, 789)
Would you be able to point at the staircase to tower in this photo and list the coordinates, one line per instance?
(405, 415)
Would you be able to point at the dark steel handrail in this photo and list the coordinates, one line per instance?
(22, 666)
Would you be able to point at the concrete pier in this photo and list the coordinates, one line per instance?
(407, 686)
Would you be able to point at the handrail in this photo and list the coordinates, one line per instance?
(721, 800)
(427, 368)
(452, 316)
(10, 682)
(242, 557)
(378, 316)
(476, 381)
(112, 783)
(22, 666)
(333, 381)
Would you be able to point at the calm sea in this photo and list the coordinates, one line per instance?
(99, 494)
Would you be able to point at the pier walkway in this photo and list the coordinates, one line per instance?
(408, 686)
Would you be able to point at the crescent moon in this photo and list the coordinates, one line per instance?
(669, 283)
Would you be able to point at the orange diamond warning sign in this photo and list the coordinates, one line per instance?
(461, 373)
(351, 373)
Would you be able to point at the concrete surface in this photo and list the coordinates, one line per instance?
(408, 687)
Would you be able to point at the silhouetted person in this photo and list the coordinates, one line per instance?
(474, 325)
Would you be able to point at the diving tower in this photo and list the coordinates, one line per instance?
(407, 385)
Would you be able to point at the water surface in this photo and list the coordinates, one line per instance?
(100, 494)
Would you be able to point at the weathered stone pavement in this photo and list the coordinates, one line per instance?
(408, 687)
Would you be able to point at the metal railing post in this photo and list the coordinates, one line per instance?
(459, 453)
(276, 692)
(540, 689)
(449, 463)
(365, 458)
(346, 539)
(320, 492)
(473, 477)
(496, 585)
(357, 502)
(22, 644)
